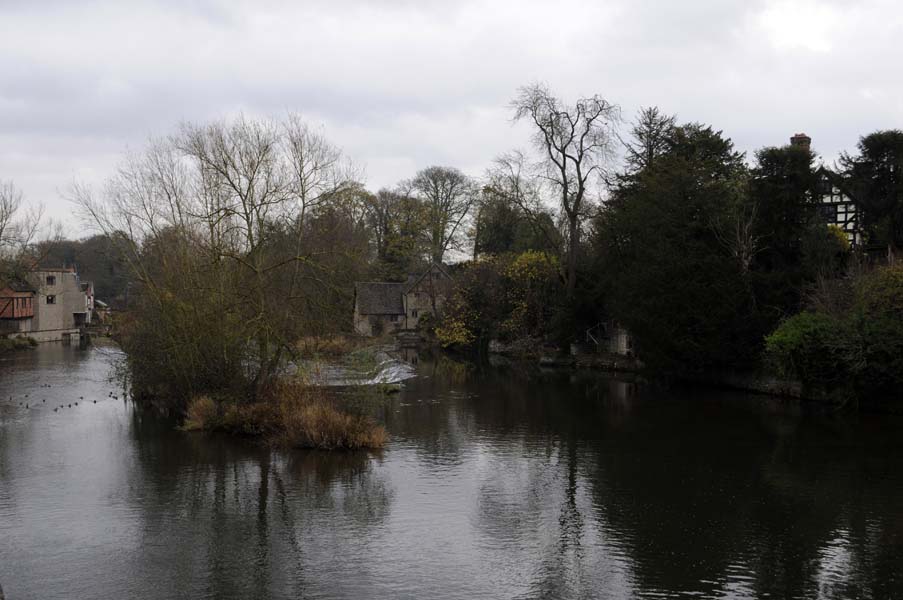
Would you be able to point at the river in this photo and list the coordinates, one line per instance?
(497, 483)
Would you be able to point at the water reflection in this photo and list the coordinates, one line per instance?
(498, 482)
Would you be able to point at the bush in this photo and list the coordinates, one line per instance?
(855, 336)
(878, 318)
(811, 346)
(202, 414)
(17, 343)
(506, 297)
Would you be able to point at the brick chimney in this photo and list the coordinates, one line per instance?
(801, 140)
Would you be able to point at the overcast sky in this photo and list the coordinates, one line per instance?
(404, 84)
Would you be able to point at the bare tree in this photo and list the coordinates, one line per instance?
(19, 226)
(448, 195)
(211, 221)
(735, 230)
(511, 178)
(317, 169)
(576, 143)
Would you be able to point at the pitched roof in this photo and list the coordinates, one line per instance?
(17, 285)
(377, 298)
(413, 280)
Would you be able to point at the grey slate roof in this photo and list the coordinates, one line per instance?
(377, 298)
(415, 278)
(17, 285)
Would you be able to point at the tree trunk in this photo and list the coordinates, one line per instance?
(573, 246)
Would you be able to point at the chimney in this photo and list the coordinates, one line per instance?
(801, 140)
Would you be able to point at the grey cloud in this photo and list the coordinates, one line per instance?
(401, 84)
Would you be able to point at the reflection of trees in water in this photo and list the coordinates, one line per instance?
(741, 499)
(712, 494)
(830, 522)
(240, 520)
(583, 485)
(534, 496)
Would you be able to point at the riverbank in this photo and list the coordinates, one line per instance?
(16, 343)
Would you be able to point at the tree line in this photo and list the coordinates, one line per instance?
(233, 239)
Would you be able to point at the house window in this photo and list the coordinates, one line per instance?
(51, 280)
(393, 318)
(51, 299)
(414, 312)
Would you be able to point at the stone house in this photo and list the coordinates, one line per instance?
(386, 307)
(62, 304)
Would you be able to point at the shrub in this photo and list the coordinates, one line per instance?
(878, 318)
(201, 414)
(17, 343)
(812, 346)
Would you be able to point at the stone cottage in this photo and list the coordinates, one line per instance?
(386, 307)
(61, 304)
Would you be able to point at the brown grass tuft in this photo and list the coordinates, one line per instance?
(290, 415)
(337, 345)
(202, 414)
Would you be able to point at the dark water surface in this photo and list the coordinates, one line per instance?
(496, 484)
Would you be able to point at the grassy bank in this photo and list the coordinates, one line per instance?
(16, 343)
(289, 415)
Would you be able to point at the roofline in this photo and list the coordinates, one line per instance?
(427, 270)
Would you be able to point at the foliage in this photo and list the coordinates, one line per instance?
(502, 225)
(825, 251)
(447, 196)
(852, 338)
(240, 237)
(877, 315)
(511, 296)
(397, 221)
(875, 179)
(811, 346)
(532, 289)
(575, 144)
(651, 131)
(98, 259)
(8, 344)
(672, 277)
(783, 202)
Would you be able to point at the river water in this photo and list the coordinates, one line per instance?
(497, 483)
